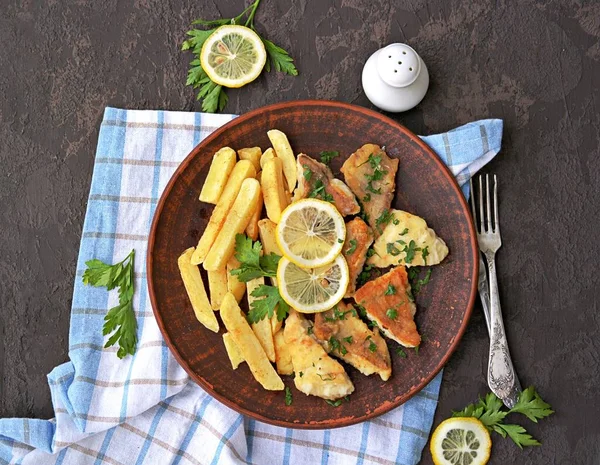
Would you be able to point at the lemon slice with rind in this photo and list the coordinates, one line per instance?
(311, 233)
(233, 56)
(461, 441)
(312, 290)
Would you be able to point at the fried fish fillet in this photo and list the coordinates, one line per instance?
(316, 373)
(388, 302)
(346, 336)
(371, 175)
(316, 179)
(359, 238)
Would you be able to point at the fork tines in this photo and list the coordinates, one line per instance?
(485, 210)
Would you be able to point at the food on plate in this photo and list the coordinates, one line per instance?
(234, 285)
(233, 351)
(251, 154)
(284, 152)
(242, 170)
(217, 286)
(249, 346)
(192, 280)
(407, 240)
(235, 223)
(312, 259)
(315, 372)
(312, 290)
(274, 189)
(388, 301)
(220, 168)
(311, 233)
(371, 175)
(266, 156)
(315, 179)
(344, 335)
(359, 237)
(283, 354)
(262, 328)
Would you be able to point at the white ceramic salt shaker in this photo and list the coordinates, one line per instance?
(395, 78)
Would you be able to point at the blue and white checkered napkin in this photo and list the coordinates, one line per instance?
(144, 409)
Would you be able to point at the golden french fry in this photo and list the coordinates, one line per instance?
(220, 168)
(247, 342)
(283, 355)
(275, 323)
(233, 351)
(262, 329)
(252, 228)
(284, 152)
(252, 154)
(190, 274)
(274, 189)
(234, 285)
(266, 231)
(217, 285)
(235, 223)
(259, 176)
(242, 170)
(266, 156)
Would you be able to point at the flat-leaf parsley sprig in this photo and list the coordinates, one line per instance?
(213, 95)
(121, 318)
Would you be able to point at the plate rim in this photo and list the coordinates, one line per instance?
(205, 385)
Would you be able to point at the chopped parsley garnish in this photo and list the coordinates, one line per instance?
(391, 313)
(392, 249)
(372, 345)
(378, 173)
(309, 330)
(301, 374)
(417, 284)
(396, 221)
(336, 345)
(404, 232)
(367, 197)
(340, 241)
(410, 250)
(401, 352)
(370, 188)
(307, 172)
(328, 377)
(337, 315)
(391, 290)
(370, 253)
(319, 191)
(338, 402)
(410, 295)
(425, 254)
(348, 339)
(384, 219)
(328, 155)
(417, 350)
(288, 396)
(353, 243)
(361, 310)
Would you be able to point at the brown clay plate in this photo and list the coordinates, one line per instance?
(424, 187)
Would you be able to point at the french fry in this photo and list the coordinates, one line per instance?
(242, 170)
(217, 285)
(266, 231)
(234, 285)
(220, 168)
(233, 351)
(284, 152)
(266, 156)
(190, 274)
(247, 342)
(274, 189)
(283, 355)
(252, 154)
(235, 223)
(259, 176)
(262, 329)
(252, 228)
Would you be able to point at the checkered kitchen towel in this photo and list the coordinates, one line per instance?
(144, 409)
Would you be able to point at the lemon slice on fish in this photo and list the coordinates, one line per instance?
(312, 290)
(311, 233)
(461, 441)
(233, 56)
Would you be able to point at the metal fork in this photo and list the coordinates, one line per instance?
(502, 378)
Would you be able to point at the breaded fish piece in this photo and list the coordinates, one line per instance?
(316, 179)
(344, 335)
(388, 302)
(316, 373)
(371, 175)
(359, 238)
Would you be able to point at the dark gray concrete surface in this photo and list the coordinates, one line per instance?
(533, 63)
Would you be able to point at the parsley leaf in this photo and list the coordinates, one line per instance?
(279, 58)
(252, 263)
(392, 249)
(410, 250)
(288, 395)
(327, 156)
(425, 254)
(391, 313)
(261, 308)
(319, 191)
(385, 217)
(307, 172)
(348, 339)
(338, 402)
(400, 352)
(391, 290)
(353, 243)
(119, 320)
(372, 345)
(531, 405)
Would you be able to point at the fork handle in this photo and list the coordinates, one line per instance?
(501, 373)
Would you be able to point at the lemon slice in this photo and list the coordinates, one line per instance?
(233, 56)
(312, 290)
(311, 233)
(461, 441)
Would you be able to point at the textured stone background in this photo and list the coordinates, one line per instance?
(534, 64)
